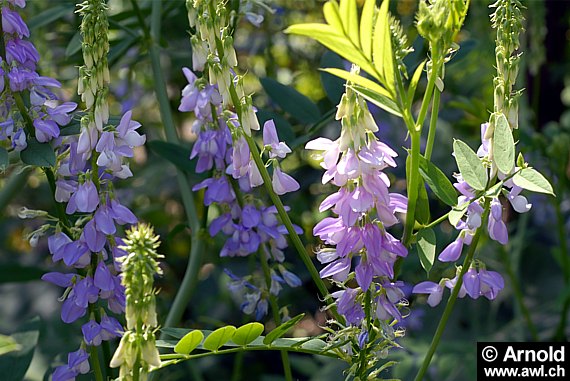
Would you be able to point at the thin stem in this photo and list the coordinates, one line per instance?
(275, 311)
(432, 124)
(437, 221)
(195, 258)
(94, 356)
(452, 299)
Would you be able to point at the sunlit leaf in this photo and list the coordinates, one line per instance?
(470, 166)
(456, 213)
(189, 342)
(426, 248)
(349, 16)
(503, 145)
(366, 27)
(247, 333)
(382, 47)
(532, 180)
(414, 82)
(219, 337)
(359, 80)
(332, 16)
(282, 329)
(378, 99)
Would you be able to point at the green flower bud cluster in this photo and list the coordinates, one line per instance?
(439, 21)
(137, 351)
(400, 44)
(508, 21)
(94, 74)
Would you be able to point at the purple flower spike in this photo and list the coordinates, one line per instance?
(491, 283)
(496, 226)
(59, 279)
(347, 305)
(453, 251)
(79, 361)
(110, 328)
(270, 138)
(472, 283)
(250, 216)
(283, 183)
(45, 130)
(103, 278)
(434, 290)
(92, 333)
(85, 199)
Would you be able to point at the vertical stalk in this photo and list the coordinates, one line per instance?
(432, 124)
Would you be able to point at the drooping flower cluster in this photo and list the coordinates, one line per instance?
(139, 266)
(363, 208)
(222, 146)
(87, 165)
(18, 76)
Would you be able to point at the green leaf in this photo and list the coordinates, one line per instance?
(282, 329)
(38, 154)
(291, 101)
(247, 333)
(426, 248)
(349, 16)
(495, 190)
(360, 81)
(414, 82)
(382, 47)
(4, 159)
(74, 45)
(532, 180)
(174, 153)
(14, 365)
(378, 99)
(456, 213)
(470, 166)
(438, 182)
(366, 27)
(8, 344)
(14, 272)
(333, 85)
(422, 205)
(219, 337)
(50, 15)
(189, 342)
(503, 145)
(329, 37)
(332, 16)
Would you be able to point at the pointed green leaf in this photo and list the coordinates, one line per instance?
(422, 214)
(8, 344)
(332, 16)
(359, 80)
(495, 190)
(74, 45)
(532, 180)
(456, 213)
(282, 329)
(438, 182)
(247, 333)
(219, 337)
(50, 15)
(329, 37)
(378, 99)
(503, 145)
(349, 17)
(366, 27)
(38, 154)
(291, 101)
(426, 248)
(382, 47)
(414, 82)
(4, 159)
(470, 166)
(189, 342)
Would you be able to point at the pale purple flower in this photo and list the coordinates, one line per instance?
(348, 306)
(59, 279)
(283, 183)
(386, 310)
(79, 361)
(491, 283)
(19, 142)
(453, 251)
(85, 199)
(472, 283)
(12, 23)
(434, 290)
(271, 140)
(496, 227)
(520, 203)
(127, 134)
(103, 278)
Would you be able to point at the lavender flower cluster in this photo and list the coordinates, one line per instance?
(249, 225)
(18, 64)
(363, 208)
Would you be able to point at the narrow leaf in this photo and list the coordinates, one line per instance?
(219, 337)
(378, 99)
(414, 82)
(282, 329)
(422, 205)
(247, 333)
(333, 85)
(349, 17)
(189, 342)
(50, 15)
(38, 154)
(366, 27)
(291, 101)
(329, 37)
(382, 47)
(503, 145)
(532, 180)
(470, 166)
(174, 153)
(359, 80)
(438, 182)
(74, 45)
(8, 344)
(426, 248)
(332, 16)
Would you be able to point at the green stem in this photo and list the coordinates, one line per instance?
(275, 311)
(94, 356)
(451, 301)
(195, 258)
(432, 124)
(437, 221)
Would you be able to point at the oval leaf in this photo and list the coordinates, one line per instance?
(503, 145)
(219, 337)
(189, 342)
(38, 154)
(426, 248)
(470, 166)
(247, 333)
(457, 213)
(438, 182)
(282, 329)
(532, 180)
